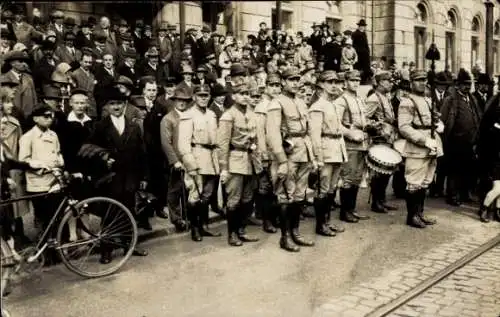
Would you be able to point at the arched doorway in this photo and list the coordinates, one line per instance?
(451, 39)
(475, 40)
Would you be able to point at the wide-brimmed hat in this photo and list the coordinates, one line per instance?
(181, 93)
(187, 70)
(483, 79)
(16, 56)
(362, 22)
(463, 77)
(442, 79)
(205, 29)
(219, 90)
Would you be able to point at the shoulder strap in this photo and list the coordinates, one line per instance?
(348, 109)
(381, 103)
(416, 108)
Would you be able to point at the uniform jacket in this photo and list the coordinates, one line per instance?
(128, 152)
(261, 117)
(36, 145)
(415, 111)
(197, 140)
(326, 132)
(287, 119)
(354, 120)
(237, 131)
(379, 108)
(86, 80)
(169, 134)
(65, 56)
(25, 98)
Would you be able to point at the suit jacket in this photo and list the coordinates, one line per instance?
(159, 73)
(360, 44)
(87, 81)
(25, 98)
(65, 56)
(169, 134)
(184, 85)
(129, 154)
(218, 111)
(152, 134)
(164, 103)
(165, 49)
(481, 100)
(42, 73)
(104, 81)
(129, 72)
(204, 49)
(59, 35)
(74, 136)
(82, 41)
(111, 43)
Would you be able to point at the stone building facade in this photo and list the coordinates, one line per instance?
(399, 29)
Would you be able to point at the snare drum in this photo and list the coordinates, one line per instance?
(383, 159)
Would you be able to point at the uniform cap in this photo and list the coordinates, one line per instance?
(353, 75)
(328, 75)
(291, 72)
(201, 89)
(418, 74)
(273, 78)
(125, 81)
(383, 75)
(41, 109)
(182, 93)
(79, 91)
(238, 69)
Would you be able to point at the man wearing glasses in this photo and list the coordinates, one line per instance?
(288, 139)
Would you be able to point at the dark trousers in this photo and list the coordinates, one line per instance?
(462, 175)
(158, 183)
(176, 196)
(437, 186)
(399, 182)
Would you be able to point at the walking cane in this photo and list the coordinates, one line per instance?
(183, 199)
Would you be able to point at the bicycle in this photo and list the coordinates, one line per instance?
(91, 223)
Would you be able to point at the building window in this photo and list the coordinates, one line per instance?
(420, 48)
(286, 19)
(334, 24)
(475, 42)
(450, 49)
(421, 14)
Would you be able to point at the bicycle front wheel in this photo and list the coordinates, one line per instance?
(96, 237)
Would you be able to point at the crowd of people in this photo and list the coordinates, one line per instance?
(262, 122)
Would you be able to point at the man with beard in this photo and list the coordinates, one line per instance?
(328, 148)
(239, 163)
(290, 147)
(197, 144)
(379, 108)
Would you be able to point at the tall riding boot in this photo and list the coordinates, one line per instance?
(245, 212)
(354, 197)
(320, 207)
(421, 207)
(294, 224)
(203, 223)
(412, 207)
(330, 200)
(265, 203)
(194, 217)
(345, 206)
(375, 188)
(384, 183)
(232, 238)
(285, 240)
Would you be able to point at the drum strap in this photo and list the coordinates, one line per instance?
(416, 108)
(383, 106)
(348, 110)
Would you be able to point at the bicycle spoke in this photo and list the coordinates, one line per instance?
(106, 215)
(88, 253)
(112, 222)
(112, 230)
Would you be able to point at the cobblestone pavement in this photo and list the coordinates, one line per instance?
(474, 290)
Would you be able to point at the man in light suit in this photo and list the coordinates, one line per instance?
(84, 79)
(169, 135)
(67, 53)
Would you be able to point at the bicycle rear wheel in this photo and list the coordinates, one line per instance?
(100, 224)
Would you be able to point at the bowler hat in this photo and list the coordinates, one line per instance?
(41, 109)
(171, 27)
(219, 90)
(114, 94)
(163, 27)
(463, 77)
(484, 79)
(362, 22)
(182, 93)
(442, 79)
(168, 82)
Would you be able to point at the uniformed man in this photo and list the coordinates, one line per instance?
(422, 148)
(379, 108)
(357, 141)
(291, 149)
(239, 163)
(265, 198)
(328, 148)
(196, 144)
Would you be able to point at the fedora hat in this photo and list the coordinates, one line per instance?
(187, 70)
(362, 22)
(463, 77)
(483, 79)
(125, 81)
(181, 93)
(113, 94)
(442, 79)
(16, 56)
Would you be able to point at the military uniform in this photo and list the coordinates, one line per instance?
(290, 145)
(329, 152)
(415, 126)
(357, 142)
(379, 108)
(196, 145)
(265, 198)
(238, 156)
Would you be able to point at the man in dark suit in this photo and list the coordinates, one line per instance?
(360, 44)
(99, 48)
(129, 67)
(124, 46)
(461, 117)
(210, 63)
(164, 46)
(84, 37)
(67, 52)
(315, 40)
(206, 46)
(152, 67)
(105, 75)
(165, 101)
(483, 85)
(333, 53)
(105, 28)
(45, 66)
(57, 25)
(123, 139)
(169, 141)
(191, 41)
(217, 105)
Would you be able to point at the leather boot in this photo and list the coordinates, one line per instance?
(384, 182)
(345, 206)
(267, 213)
(421, 203)
(320, 207)
(412, 205)
(285, 240)
(232, 238)
(294, 224)
(484, 214)
(203, 223)
(354, 197)
(376, 196)
(23, 240)
(194, 217)
(330, 202)
(245, 212)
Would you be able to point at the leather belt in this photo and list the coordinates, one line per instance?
(205, 146)
(331, 135)
(239, 148)
(296, 135)
(421, 127)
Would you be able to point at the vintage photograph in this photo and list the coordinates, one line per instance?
(250, 158)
